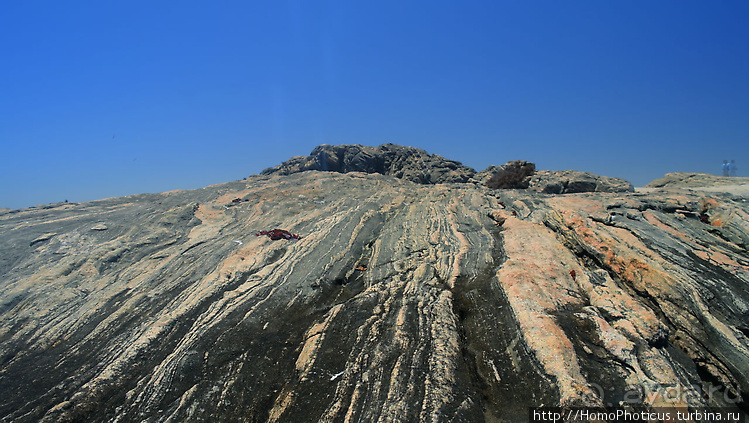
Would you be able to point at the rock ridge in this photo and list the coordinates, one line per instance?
(409, 163)
(416, 165)
(574, 181)
(691, 179)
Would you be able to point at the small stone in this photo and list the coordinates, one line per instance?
(633, 214)
(100, 227)
(45, 237)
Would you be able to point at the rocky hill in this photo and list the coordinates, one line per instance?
(399, 302)
(409, 163)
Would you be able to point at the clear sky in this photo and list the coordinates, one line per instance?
(109, 98)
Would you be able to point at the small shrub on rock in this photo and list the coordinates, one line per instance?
(512, 175)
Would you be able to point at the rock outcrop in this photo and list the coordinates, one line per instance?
(409, 163)
(689, 179)
(573, 181)
(416, 165)
(399, 302)
(520, 174)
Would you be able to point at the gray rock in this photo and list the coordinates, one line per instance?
(42, 238)
(407, 163)
(573, 181)
(520, 174)
(481, 178)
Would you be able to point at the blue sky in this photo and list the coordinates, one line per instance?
(109, 98)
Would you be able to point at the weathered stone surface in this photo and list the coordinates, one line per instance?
(520, 174)
(573, 181)
(100, 227)
(400, 302)
(409, 163)
(689, 179)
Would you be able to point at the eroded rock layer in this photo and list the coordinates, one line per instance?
(400, 302)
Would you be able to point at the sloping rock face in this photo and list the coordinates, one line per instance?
(688, 179)
(574, 181)
(400, 302)
(409, 163)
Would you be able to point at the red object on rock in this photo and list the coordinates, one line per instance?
(277, 234)
(573, 274)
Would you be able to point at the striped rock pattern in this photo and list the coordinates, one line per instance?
(401, 302)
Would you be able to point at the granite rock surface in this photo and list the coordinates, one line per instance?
(400, 302)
